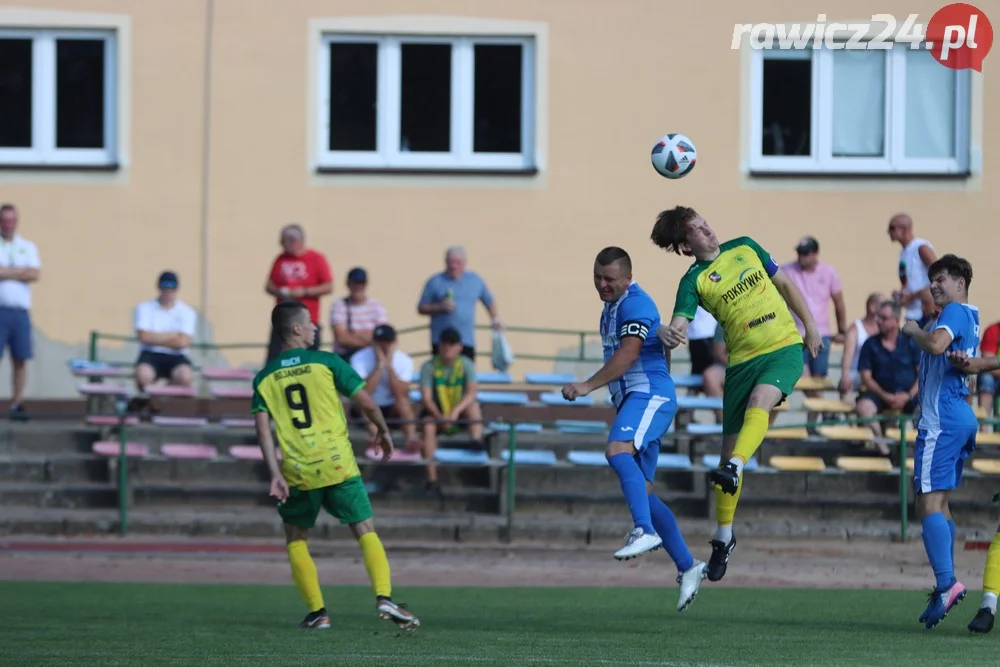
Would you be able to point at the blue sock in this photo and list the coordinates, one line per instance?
(951, 526)
(938, 544)
(634, 488)
(666, 528)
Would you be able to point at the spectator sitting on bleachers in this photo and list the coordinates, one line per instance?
(355, 317)
(448, 389)
(387, 371)
(857, 334)
(889, 367)
(165, 327)
(986, 383)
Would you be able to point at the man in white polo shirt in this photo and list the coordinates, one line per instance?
(387, 372)
(165, 327)
(19, 267)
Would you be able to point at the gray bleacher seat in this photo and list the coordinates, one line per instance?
(520, 427)
(704, 429)
(552, 398)
(580, 426)
(465, 456)
(699, 403)
(531, 457)
(712, 461)
(549, 378)
(502, 397)
(673, 461)
(688, 381)
(587, 458)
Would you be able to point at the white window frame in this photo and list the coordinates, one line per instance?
(43, 151)
(821, 161)
(461, 157)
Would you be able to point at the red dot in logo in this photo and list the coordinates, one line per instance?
(959, 36)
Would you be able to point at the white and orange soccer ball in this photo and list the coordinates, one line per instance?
(674, 156)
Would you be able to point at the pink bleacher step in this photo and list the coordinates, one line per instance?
(171, 391)
(177, 450)
(227, 374)
(112, 448)
(180, 421)
(110, 420)
(101, 389)
(104, 372)
(236, 422)
(232, 392)
(249, 453)
(399, 455)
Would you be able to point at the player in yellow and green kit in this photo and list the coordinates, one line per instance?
(300, 391)
(742, 287)
(983, 621)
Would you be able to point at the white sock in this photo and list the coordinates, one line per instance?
(725, 533)
(989, 602)
(738, 462)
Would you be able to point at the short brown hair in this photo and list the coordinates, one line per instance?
(954, 266)
(670, 230)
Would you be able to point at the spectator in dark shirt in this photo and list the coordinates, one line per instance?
(888, 366)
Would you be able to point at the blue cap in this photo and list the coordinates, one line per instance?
(168, 280)
(357, 275)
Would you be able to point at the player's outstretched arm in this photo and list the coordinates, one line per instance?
(262, 422)
(931, 342)
(797, 304)
(674, 334)
(974, 365)
(371, 411)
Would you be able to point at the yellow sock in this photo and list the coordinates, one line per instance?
(725, 504)
(991, 576)
(377, 564)
(755, 421)
(304, 574)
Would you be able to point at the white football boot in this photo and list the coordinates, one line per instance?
(637, 543)
(690, 582)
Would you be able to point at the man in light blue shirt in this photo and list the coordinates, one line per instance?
(450, 297)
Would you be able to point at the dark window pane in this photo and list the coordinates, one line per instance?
(80, 93)
(353, 86)
(787, 117)
(497, 119)
(15, 93)
(425, 117)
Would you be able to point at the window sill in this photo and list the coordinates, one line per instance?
(434, 171)
(873, 175)
(12, 166)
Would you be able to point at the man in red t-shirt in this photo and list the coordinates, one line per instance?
(298, 274)
(987, 382)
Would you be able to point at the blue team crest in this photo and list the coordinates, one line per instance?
(714, 277)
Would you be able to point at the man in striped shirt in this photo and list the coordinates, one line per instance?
(355, 317)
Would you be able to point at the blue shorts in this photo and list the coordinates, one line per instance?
(939, 457)
(15, 333)
(819, 366)
(642, 420)
(986, 383)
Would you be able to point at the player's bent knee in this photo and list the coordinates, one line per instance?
(295, 533)
(362, 528)
(619, 447)
(764, 396)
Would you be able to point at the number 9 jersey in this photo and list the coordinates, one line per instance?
(301, 391)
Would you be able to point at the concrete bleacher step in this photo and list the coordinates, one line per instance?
(67, 495)
(80, 467)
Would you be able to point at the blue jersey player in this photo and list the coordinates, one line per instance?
(635, 370)
(946, 432)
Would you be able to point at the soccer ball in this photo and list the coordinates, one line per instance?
(674, 155)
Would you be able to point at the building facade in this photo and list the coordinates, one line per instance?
(183, 134)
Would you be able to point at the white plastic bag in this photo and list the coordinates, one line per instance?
(503, 356)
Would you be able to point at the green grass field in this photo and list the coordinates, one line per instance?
(133, 624)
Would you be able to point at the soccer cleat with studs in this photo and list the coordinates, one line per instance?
(397, 613)
(638, 542)
(719, 560)
(316, 620)
(983, 622)
(726, 477)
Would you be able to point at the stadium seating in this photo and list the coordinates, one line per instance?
(549, 378)
(188, 451)
(462, 456)
(113, 448)
(688, 381)
(799, 433)
(864, 464)
(520, 427)
(703, 429)
(552, 398)
(232, 392)
(398, 456)
(587, 458)
(531, 457)
(847, 433)
(810, 383)
(227, 374)
(246, 453)
(502, 398)
(673, 462)
(988, 439)
(110, 420)
(711, 461)
(236, 422)
(797, 463)
(699, 403)
(827, 405)
(170, 391)
(489, 377)
(986, 466)
(579, 426)
(162, 420)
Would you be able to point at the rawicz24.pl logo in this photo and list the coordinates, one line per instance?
(958, 36)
